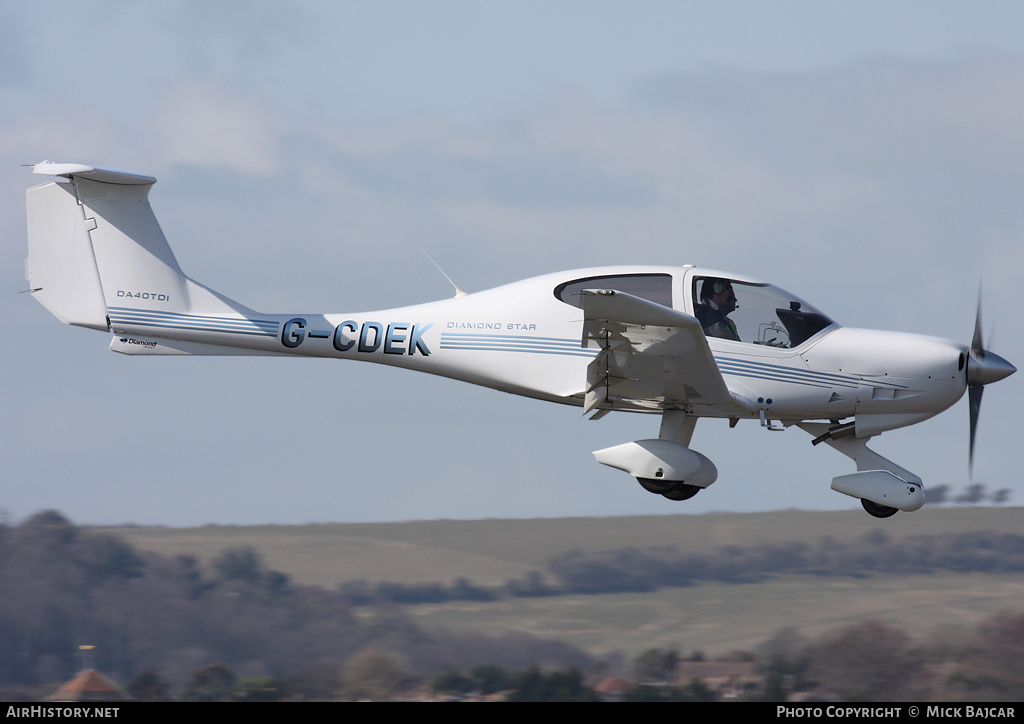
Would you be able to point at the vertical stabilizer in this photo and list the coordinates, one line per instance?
(136, 265)
(98, 258)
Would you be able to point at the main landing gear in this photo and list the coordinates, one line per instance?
(665, 466)
(672, 490)
(879, 511)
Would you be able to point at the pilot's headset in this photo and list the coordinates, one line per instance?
(712, 287)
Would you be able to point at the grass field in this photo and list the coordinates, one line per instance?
(716, 618)
(712, 617)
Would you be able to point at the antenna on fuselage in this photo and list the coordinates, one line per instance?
(458, 292)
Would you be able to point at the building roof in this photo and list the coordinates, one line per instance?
(89, 685)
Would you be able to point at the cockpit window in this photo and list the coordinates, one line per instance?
(754, 313)
(655, 288)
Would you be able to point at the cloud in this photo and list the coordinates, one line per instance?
(13, 64)
(85, 136)
(206, 125)
(878, 112)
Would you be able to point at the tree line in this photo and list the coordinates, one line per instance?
(639, 569)
(62, 586)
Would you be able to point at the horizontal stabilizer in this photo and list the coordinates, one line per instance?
(103, 175)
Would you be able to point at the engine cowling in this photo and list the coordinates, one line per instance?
(660, 460)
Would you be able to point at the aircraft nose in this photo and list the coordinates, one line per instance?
(987, 368)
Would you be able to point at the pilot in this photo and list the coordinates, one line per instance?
(717, 302)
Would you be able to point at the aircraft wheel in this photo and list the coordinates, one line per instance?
(682, 492)
(658, 487)
(879, 511)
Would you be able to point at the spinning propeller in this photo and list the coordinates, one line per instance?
(983, 367)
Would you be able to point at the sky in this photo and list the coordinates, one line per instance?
(866, 156)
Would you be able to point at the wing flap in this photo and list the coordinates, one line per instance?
(651, 356)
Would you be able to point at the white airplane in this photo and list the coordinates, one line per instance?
(680, 342)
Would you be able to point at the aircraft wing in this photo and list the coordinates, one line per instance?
(651, 356)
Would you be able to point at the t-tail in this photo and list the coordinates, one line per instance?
(98, 259)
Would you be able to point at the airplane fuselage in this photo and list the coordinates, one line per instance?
(522, 339)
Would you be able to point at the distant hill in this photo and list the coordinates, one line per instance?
(707, 614)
